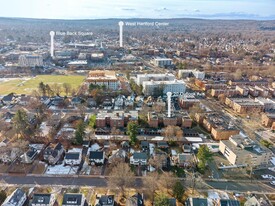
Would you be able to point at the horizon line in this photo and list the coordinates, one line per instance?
(141, 18)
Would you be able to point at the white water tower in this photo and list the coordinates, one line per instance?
(52, 33)
(169, 94)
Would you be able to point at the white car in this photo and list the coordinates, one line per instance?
(271, 177)
(273, 182)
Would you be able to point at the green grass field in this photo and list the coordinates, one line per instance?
(27, 84)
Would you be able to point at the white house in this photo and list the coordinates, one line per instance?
(17, 198)
(96, 157)
(42, 200)
(73, 158)
(73, 200)
(138, 158)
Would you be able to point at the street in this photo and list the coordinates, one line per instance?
(101, 181)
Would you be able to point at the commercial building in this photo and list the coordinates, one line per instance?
(105, 77)
(157, 88)
(162, 62)
(241, 150)
(30, 60)
(156, 77)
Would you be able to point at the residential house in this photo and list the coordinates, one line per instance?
(91, 102)
(29, 156)
(144, 146)
(97, 157)
(4, 142)
(17, 198)
(118, 154)
(252, 201)
(196, 202)
(73, 158)
(8, 99)
(139, 158)
(135, 200)
(42, 200)
(172, 202)
(228, 202)
(70, 199)
(76, 101)
(162, 145)
(185, 159)
(105, 200)
(53, 154)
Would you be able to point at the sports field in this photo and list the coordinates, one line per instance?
(25, 85)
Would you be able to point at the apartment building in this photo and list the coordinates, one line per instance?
(115, 119)
(156, 77)
(241, 150)
(103, 77)
(152, 88)
(30, 60)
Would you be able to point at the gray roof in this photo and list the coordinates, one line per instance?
(96, 155)
(72, 155)
(196, 202)
(16, 197)
(41, 199)
(140, 155)
(229, 203)
(106, 200)
(72, 199)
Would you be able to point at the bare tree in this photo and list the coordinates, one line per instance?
(56, 88)
(167, 180)
(152, 180)
(67, 88)
(157, 161)
(173, 132)
(122, 177)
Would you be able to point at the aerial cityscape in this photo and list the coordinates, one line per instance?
(135, 103)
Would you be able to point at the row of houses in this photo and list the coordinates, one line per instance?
(248, 105)
(19, 198)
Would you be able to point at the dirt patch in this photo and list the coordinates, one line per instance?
(39, 169)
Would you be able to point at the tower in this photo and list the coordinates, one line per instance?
(52, 33)
(169, 94)
(121, 23)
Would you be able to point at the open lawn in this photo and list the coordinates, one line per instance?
(26, 85)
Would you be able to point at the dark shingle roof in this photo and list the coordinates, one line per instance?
(41, 199)
(140, 155)
(229, 203)
(72, 199)
(106, 200)
(96, 155)
(72, 155)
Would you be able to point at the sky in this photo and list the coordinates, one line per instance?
(101, 9)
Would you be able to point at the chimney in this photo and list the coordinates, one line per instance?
(169, 94)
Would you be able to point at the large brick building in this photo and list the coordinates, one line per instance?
(217, 125)
(268, 119)
(115, 119)
(181, 119)
(244, 105)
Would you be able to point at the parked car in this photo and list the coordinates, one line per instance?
(273, 182)
(271, 177)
